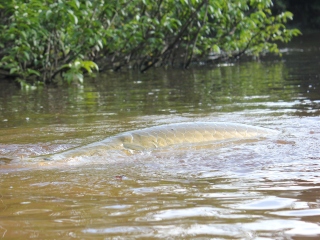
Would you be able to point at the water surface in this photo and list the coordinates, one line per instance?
(265, 189)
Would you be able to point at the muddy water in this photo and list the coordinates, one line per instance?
(261, 189)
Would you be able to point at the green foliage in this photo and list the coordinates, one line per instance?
(45, 39)
(42, 36)
(74, 70)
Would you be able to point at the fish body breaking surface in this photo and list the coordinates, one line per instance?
(168, 135)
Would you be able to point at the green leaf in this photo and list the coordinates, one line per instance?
(71, 13)
(26, 55)
(216, 49)
(77, 3)
(14, 70)
(33, 72)
(48, 14)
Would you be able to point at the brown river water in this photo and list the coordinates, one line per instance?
(267, 188)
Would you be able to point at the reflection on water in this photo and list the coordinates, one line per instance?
(267, 189)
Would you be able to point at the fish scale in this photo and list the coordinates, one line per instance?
(167, 135)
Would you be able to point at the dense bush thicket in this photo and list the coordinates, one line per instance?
(44, 39)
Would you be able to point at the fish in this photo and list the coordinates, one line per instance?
(148, 139)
